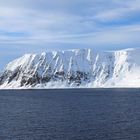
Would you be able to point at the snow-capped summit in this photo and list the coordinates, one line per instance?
(74, 68)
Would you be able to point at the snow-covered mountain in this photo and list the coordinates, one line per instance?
(74, 68)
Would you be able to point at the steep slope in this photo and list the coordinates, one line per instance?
(73, 68)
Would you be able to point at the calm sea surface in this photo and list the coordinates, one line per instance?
(74, 114)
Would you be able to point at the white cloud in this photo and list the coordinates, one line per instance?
(123, 10)
(73, 21)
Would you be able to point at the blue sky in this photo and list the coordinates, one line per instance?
(28, 26)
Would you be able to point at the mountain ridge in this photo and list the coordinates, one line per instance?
(73, 68)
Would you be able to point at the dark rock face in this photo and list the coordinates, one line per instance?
(33, 79)
(78, 77)
(3, 77)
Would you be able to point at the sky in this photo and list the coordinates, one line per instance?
(33, 26)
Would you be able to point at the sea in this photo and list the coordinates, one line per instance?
(70, 114)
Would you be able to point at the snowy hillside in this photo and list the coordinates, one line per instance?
(74, 68)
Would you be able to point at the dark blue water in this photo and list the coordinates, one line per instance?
(76, 114)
